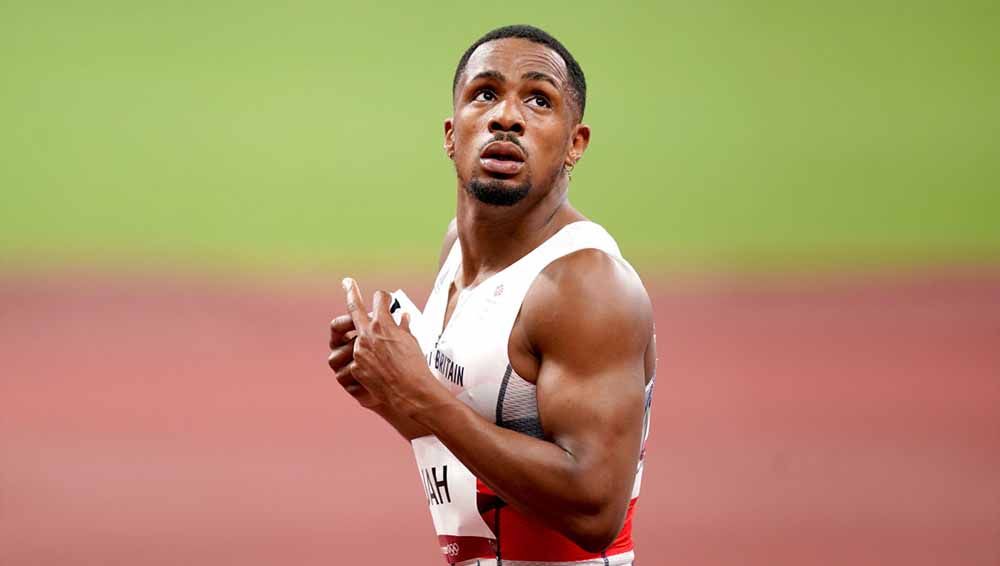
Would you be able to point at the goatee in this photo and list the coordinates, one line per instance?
(496, 192)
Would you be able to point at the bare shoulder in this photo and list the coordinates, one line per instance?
(449, 240)
(592, 297)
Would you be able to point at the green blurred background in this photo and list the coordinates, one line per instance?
(242, 156)
(296, 136)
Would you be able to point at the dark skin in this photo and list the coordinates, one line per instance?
(584, 335)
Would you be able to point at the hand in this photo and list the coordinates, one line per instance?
(342, 338)
(387, 361)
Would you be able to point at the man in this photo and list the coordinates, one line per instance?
(527, 408)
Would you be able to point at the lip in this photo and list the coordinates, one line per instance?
(503, 150)
(502, 158)
(501, 167)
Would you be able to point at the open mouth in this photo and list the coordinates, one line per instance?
(502, 158)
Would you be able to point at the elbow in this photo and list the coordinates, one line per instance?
(596, 532)
(595, 545)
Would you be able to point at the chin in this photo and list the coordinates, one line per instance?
(498, 191)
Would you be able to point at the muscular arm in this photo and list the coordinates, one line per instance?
(588, 322)
(590, 335)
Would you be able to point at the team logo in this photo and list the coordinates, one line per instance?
(450, 549)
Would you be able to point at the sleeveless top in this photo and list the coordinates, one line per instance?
(469, 357)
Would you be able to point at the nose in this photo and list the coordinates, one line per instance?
(507, 118)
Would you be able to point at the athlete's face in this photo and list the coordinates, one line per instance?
(515, 126)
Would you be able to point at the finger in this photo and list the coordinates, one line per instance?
(380, 306)
(404, 322)
(346, 380)
(342, 323)
(341, 356)
(344, 376)
(340, 328)
(356, 305)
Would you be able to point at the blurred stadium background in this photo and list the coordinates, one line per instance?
(812, 192)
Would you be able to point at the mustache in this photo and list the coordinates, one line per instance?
(505, 137)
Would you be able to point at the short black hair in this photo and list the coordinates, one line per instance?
(578, 83)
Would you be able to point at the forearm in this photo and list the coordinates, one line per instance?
(535, 476)
(405, 426)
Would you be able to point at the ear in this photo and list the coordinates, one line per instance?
(578, 144)
(449, 138)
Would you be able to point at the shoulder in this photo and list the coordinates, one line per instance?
(592, 297)
(450, 235)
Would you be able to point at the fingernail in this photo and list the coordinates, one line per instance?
(346, 283)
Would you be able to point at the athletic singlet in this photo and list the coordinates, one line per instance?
(469, 356)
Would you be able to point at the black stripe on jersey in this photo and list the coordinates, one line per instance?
(496, 529)
(503, 392)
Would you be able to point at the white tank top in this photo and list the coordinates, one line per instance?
(470, 357)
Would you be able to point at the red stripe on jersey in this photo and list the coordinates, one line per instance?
(459, 549)
(524, 538)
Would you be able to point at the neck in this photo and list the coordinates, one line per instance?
(493, 237)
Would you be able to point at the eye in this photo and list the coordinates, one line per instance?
(540, 101)
(485, 95)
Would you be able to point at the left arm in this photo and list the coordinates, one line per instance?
(590, 335)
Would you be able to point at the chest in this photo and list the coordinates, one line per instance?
(477, 342)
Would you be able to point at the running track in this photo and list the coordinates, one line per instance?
(173, 421)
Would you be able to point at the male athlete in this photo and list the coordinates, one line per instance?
(527, 404)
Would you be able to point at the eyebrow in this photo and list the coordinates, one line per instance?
(537, 76)
(529, 76)
(495, 75)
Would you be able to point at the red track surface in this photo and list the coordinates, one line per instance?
(182, 423)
